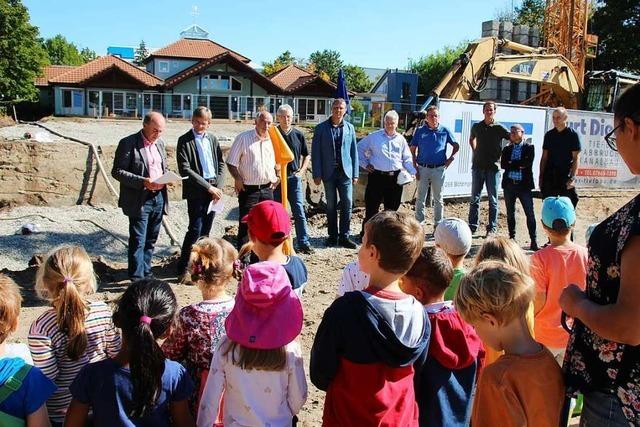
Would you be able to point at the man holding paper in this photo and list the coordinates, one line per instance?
(140, 160)
(200, 160)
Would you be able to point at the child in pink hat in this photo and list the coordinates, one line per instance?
(258, 365)
(269, 227)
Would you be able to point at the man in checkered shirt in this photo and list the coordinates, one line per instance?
(517, 182)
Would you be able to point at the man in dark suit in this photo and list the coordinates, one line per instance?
(200, 159)
(141, 159)
(517, 182)
(334, 158)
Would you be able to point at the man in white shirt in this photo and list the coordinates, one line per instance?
(252, 163)
(384, 153)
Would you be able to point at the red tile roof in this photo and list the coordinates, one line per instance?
(232, 60)
(293, 77)
(195, 49)
(51, 71)
(101, 65)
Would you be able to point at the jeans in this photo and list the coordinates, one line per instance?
(511, 194)
(384, 189)
(248, 198)
(143, 233)
(602, 410)
(338, 184)
(200, 223)
(480, 177)
(433, 177)
(296, 202)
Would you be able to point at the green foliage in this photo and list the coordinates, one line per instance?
(284, 60)
(531, 13)
(87, 54)
(326, 63)
(21, 54)
(63, 52)
(141, 53)
(432, 68)
(357, 108)
(617, 24)
(357, 79)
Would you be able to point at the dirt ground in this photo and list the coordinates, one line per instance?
(324, 271)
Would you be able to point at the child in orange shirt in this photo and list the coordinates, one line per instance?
(524, 387)
(553, 268)
(506, 250)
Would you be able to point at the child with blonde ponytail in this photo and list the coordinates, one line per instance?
(74, 331)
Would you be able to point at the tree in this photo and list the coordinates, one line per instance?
(285, 59)
(357, 79)
(531, 13)
(141, 53)
(432, 68)
(617, 24)
(63, 52)
(87, 54)
(326, 63)
(21, 54)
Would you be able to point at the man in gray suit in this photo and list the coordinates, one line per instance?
(199, 159)
(140, 159)
(334, 158)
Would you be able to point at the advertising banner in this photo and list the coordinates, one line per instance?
(599, 166)
(460, 116)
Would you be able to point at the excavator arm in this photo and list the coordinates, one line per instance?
(470, 72)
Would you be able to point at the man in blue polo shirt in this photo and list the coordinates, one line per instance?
(429, 149)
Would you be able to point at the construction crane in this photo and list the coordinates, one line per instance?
(565, 32)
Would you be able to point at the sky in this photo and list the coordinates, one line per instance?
(375, 33)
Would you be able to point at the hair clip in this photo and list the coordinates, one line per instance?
(67, 280)
(197, 268)
(146, 319)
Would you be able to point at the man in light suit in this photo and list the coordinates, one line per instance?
(334, 158)
(200, 160)
(140, 159)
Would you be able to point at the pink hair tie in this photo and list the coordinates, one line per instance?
(67, 280)
(146, 319)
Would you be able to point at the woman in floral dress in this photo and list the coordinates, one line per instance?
(603, 354)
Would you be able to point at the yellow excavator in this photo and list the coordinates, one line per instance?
(469, 73)
(468, 76)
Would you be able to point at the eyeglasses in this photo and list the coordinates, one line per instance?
(611, 137)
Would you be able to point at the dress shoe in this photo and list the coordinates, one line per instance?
(330, 241)
(306, 249)
(346, 242)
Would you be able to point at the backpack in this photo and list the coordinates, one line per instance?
(8, 388)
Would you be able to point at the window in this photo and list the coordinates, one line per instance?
(186, 102)
(220, 83)
(176, 102)
(163, 66)
(66, 98)
(406, 91)
(118, 102)
(132, 101)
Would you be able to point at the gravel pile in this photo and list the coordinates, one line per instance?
(104, 231)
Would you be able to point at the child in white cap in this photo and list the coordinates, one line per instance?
(454, 237)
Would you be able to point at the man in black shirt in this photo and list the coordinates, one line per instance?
(296, 169)
(560, 158)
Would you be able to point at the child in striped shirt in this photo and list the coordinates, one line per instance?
(74, 332)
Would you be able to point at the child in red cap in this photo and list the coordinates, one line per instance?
(269, 227)
(258, 365)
